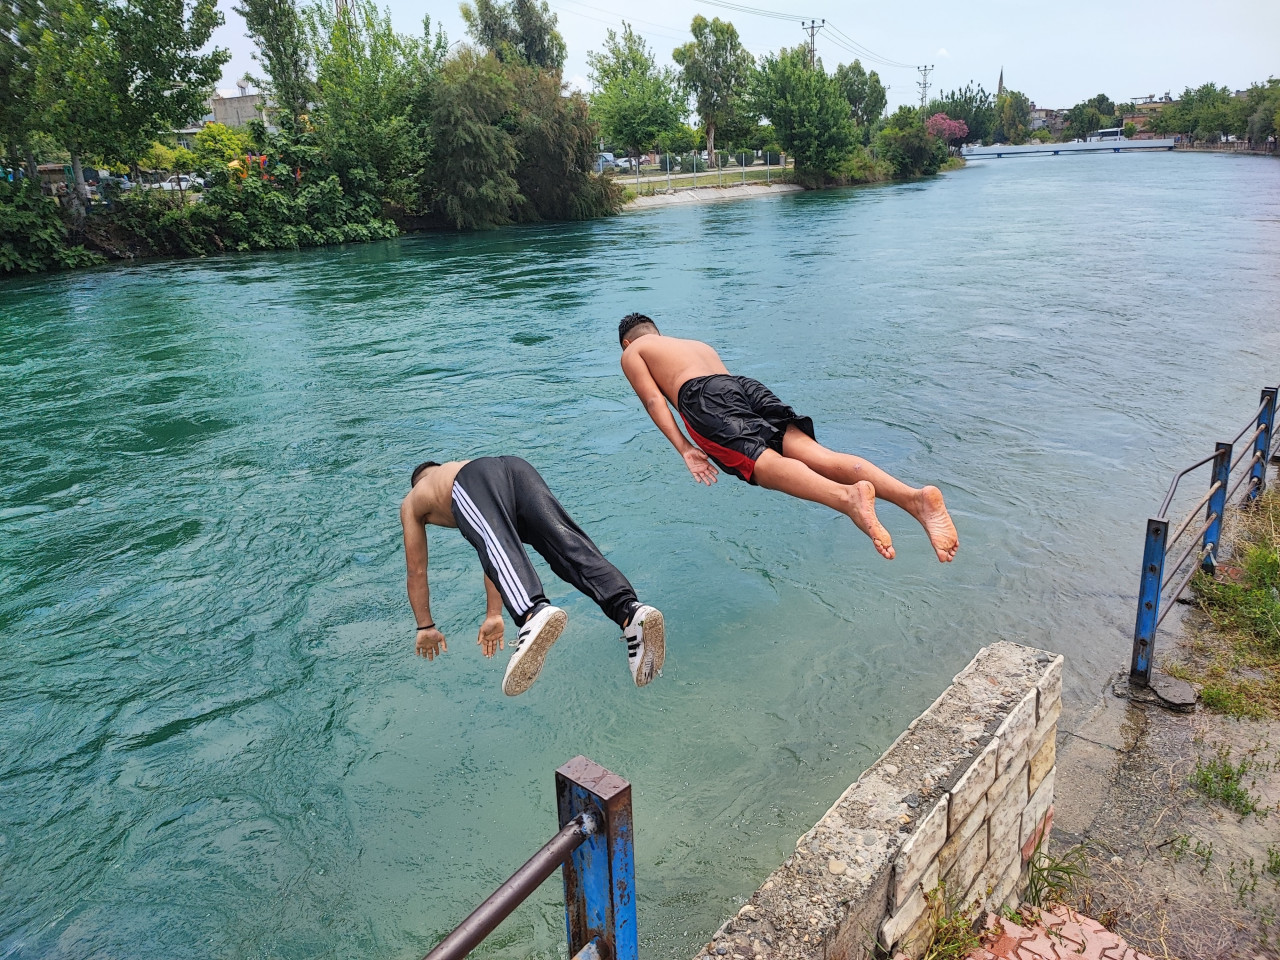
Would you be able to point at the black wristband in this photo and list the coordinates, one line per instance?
(429, 626)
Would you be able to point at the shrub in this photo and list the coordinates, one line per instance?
(722, 158)
(692, 164)
(744, 158)
(33, 235)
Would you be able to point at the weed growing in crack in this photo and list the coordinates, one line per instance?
(1220, 779)
(1053, 879)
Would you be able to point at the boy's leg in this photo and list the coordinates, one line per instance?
(543, 524)
(857, 501)
(485, 509)
(923, 503)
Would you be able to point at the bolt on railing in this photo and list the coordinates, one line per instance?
(596, 850)
(1155, 599)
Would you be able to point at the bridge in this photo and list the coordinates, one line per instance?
(1001, 150)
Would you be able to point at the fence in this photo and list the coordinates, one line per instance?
(1155, 599)
(597, 853)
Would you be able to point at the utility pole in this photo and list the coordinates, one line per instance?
(923, 84)
(812, 28)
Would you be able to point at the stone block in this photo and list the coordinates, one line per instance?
(1006, 886)
(1043, 760)
(897, 924)
(1017, 768)
(1038, 805)
(973, 785)
(1004, 829)
(1049, 687)
(958, 840)
(1039, 836)
(1016, 730)
(920, 850)
(970, 860)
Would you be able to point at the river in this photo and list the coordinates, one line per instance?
(215, 739)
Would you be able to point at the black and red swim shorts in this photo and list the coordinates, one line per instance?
(734, 419)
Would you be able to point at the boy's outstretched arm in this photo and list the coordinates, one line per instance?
(430, 642)
(490, 639)
(655, 404)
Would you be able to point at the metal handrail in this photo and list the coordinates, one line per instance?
(1155, 600)
(503, 901)
(1186, 553)
(1168, 497)
(1183, 585)
(595, 849)
(1192, 515)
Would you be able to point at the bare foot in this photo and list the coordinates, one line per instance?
(862, 511)
(931, 511)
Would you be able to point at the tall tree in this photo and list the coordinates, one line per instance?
(633, 101)
(867, 96)
(715, 70)
(374, 86)
(275, 26)
(1013, 117)
(971, 105)
(808, 110)
(520, 31)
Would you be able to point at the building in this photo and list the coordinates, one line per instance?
(238, 110)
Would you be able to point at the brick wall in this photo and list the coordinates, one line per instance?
(958, 802)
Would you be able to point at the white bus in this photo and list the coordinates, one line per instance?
(1111, 133)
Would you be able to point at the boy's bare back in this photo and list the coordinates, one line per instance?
(671, 361)
(431, 499)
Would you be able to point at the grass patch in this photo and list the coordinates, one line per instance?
(1234, 656)
(952, 935)
(1220, 779)
(1053, 879)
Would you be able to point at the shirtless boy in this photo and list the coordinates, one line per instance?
(741, 426)
(498, 504)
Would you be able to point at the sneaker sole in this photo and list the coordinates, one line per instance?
(530, 665)
(655, 644)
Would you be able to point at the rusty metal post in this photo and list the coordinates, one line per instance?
(600, 877)
(1144, 631)
(1262, 445)
(1217, 506)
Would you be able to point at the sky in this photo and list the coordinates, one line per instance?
(1056, 53)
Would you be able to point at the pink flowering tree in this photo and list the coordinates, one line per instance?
(951, 132)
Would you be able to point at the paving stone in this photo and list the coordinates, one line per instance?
(971, 788)
(1016, 730)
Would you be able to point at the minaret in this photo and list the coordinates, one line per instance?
(1000, 85)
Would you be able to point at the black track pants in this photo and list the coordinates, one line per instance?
(501, 503)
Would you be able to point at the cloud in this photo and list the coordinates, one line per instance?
(580, 83)
(942, 52)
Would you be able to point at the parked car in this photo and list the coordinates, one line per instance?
(182, 182)
(606, 162)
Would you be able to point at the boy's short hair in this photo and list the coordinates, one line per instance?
(417, 472)
(630, 322)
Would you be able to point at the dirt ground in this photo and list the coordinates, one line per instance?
(1176, 872)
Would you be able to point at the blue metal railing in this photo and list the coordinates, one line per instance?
(1155, 599)
(596, 850)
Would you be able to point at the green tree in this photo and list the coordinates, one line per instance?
(374, 84)
(275, 26)
(1102, 103)
(808, 110)
(475, 157)
(908, 147)
(1082, 120)
(520, 31)
(1013, 117)
(633, 101)
(867, 96)
(716, 70)
(971, 105)
(1130, 130)
(217, 145)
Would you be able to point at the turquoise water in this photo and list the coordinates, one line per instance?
(215, 739)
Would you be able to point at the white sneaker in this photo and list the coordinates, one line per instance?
(533, 640)
(646, 644)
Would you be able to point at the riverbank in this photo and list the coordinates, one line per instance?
(737, 191)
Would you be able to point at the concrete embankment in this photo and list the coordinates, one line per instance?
(959, 800)
(738, 191)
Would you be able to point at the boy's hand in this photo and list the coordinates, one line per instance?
(700, 465)
(430, 643)
(490, 639)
